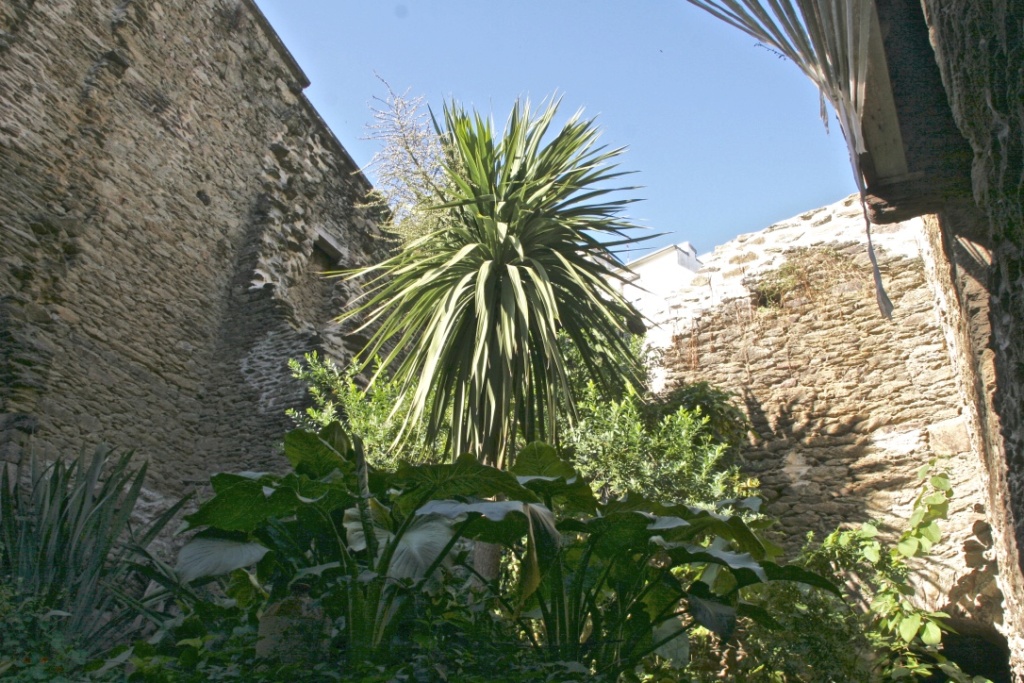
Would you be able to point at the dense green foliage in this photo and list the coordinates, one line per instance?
(67, 551)
(633, 549)
(33, 644)
(681, 448)
(819, 636)
(379, 415)
(595, 587)
(680, 455)
(369, 562)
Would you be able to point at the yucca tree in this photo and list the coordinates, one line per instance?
(468, 318)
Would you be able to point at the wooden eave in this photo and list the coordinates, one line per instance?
(915, 159)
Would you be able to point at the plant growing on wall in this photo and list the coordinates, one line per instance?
(807, 273)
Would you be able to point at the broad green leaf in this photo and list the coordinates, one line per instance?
(380, 518)
(663, 598)
(746, 569)
(744, 538)
(464, 477)
(244, 589)
(540, 459)
(419, 547)
(941, 482)
(715, 616)
(674, 642)
(791, 572)
(205, 556)
(241, 504)
(909, 626)
(908, 547)
(539, 469)
(619, 532)
(515, 515)
(931, 531)
(931, 635)
(318, 455)
(506, 523)
(872, 552)
(759, 615)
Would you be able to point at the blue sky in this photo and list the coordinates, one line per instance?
(724, 135)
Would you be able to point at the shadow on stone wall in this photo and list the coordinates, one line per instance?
(845, 408)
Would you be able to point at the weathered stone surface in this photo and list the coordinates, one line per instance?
(979, 47)
(163, 188)
(845, 406)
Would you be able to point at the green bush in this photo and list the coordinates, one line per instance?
(667, 454)
(817, 636)
(377, 414)
(33, 645)
(680, 448)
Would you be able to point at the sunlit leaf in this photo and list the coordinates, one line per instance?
(909, 626)
(206, 556)
(908, 547)
(317, 455)
(931, 635)
(240, 504)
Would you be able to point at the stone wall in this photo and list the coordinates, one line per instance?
(979, 47)
(167, 198)
(845, 405)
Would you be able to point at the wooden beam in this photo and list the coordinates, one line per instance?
(881, 124)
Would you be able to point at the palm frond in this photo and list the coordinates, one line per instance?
(829, 41)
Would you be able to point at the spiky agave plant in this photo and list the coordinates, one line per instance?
(467, 318)
(829, 41)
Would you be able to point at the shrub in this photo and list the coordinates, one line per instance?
(818, 636)
(679, 454)
(33, 646)
(376, 413)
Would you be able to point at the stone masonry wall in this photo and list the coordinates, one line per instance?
(979, 47)
(167, 198)
(845, 405)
